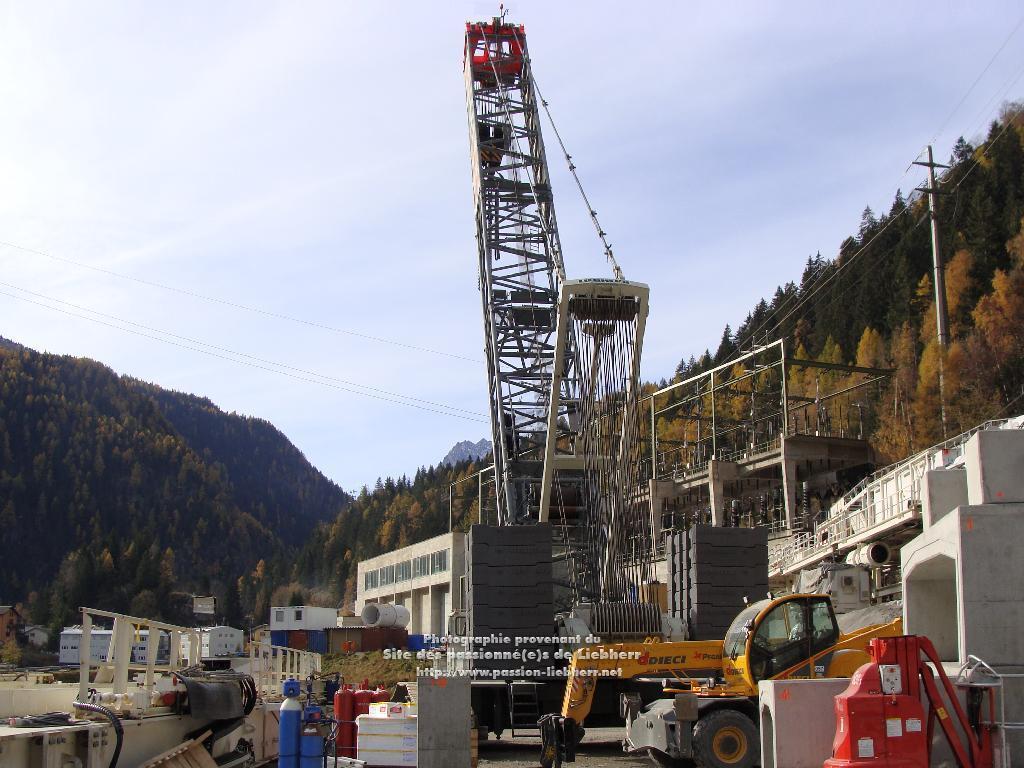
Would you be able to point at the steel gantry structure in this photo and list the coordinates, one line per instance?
(520, 261)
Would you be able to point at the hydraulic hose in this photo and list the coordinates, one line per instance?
(115, 721)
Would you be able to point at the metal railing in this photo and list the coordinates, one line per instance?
(885, 499)
(270, 665)
(117, 664)
(679, 470)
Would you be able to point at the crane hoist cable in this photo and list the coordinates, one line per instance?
(602, 235)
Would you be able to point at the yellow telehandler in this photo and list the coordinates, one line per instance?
(709, 713)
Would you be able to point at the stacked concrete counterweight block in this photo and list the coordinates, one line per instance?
(510, 593)
(711, 571)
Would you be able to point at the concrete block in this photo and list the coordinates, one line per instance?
(961, 579)
(443, 723)
(798, 721)
(995, 466)
(943, 490)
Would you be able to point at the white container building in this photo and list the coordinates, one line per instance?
(302, 617)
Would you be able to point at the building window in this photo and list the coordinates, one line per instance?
(403, 571)
(439, 561)
(298, 614)
(278, 617)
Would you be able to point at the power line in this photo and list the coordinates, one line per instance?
(977, 161)
(249, 360)
(978, 79)
(235, 352)
(237, 305)
(983, 116)
(601, 234)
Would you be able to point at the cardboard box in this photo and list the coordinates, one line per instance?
(385, 726)
(391, 709)
(387, 757)
(387, 742)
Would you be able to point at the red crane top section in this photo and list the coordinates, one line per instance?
(496, 49)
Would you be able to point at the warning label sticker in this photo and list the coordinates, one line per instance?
(913, 725)
(866, 747)
(893, 727)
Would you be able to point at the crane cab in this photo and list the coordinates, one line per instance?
(789, 637)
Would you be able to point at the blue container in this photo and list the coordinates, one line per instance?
(416, 643)
(316, 640)
(279, 637)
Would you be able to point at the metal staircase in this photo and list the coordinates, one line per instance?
(881, 504)
(523, 707)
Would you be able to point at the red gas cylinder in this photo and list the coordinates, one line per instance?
(381, 693)
(345, 714)
(878, 729)
(363, 699)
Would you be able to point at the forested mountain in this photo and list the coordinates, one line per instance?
(873, 303)
(120, 495)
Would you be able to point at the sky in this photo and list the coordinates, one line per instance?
(231, 198)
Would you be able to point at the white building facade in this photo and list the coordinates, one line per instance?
(216, 642)
(71, 640)
(423, 577)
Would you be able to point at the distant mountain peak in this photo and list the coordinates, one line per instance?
(467, 450)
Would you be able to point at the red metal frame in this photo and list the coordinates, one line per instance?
(879, 717)
(495, 47)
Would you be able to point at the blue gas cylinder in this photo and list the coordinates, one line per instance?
(290, 726)
(311, 741)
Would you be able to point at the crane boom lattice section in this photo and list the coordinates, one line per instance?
(520, 260)
(609, 530)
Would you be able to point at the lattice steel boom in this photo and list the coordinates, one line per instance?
(520, 260)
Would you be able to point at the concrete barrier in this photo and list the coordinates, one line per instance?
(443, 722)
(798, 721)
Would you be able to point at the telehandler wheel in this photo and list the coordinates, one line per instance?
(725, 738)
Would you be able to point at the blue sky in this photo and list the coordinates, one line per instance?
(311, 160)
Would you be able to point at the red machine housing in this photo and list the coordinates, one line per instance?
(496, 49)
(882, 719)
(872, 729)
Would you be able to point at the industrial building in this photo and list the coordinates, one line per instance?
(422, 577)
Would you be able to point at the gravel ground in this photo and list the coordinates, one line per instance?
(601, 748)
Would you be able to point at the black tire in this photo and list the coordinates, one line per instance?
(726, 738)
